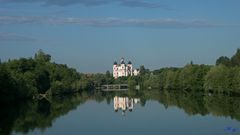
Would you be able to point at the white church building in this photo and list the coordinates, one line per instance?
(124, 70)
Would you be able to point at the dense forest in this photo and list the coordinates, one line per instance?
(39, 76)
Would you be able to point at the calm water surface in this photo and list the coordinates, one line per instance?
(114, 113)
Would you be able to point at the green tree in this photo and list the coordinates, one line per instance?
(236, 58)
(224, 61)
(235, 79)
(108, 74)
(191, 77)
(171, 80)
(7, 84)
(42, 57)
(143, 70)
(42, 80)
(218, 79)
(131, 83)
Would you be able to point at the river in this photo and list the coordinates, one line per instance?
(118, 113)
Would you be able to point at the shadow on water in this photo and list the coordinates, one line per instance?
(25, 116)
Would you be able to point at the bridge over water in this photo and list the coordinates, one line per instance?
(114, 87)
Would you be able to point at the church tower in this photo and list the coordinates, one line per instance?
(129, 69)
(115, 70)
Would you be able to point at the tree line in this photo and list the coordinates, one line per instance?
(224, 77)
(31, 77)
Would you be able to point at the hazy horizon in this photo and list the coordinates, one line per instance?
(91, 35)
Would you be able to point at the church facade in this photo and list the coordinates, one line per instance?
(123, 69)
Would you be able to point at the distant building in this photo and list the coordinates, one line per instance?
(124, 70)
(136, 72)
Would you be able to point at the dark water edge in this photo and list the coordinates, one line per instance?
(26, 116)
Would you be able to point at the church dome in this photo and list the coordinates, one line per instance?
(122, 61)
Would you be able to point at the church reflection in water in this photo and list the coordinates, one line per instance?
(124, 104)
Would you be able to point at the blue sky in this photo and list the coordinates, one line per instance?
(90, 34)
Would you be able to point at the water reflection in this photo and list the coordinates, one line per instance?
(27, 116)
(124, 103)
